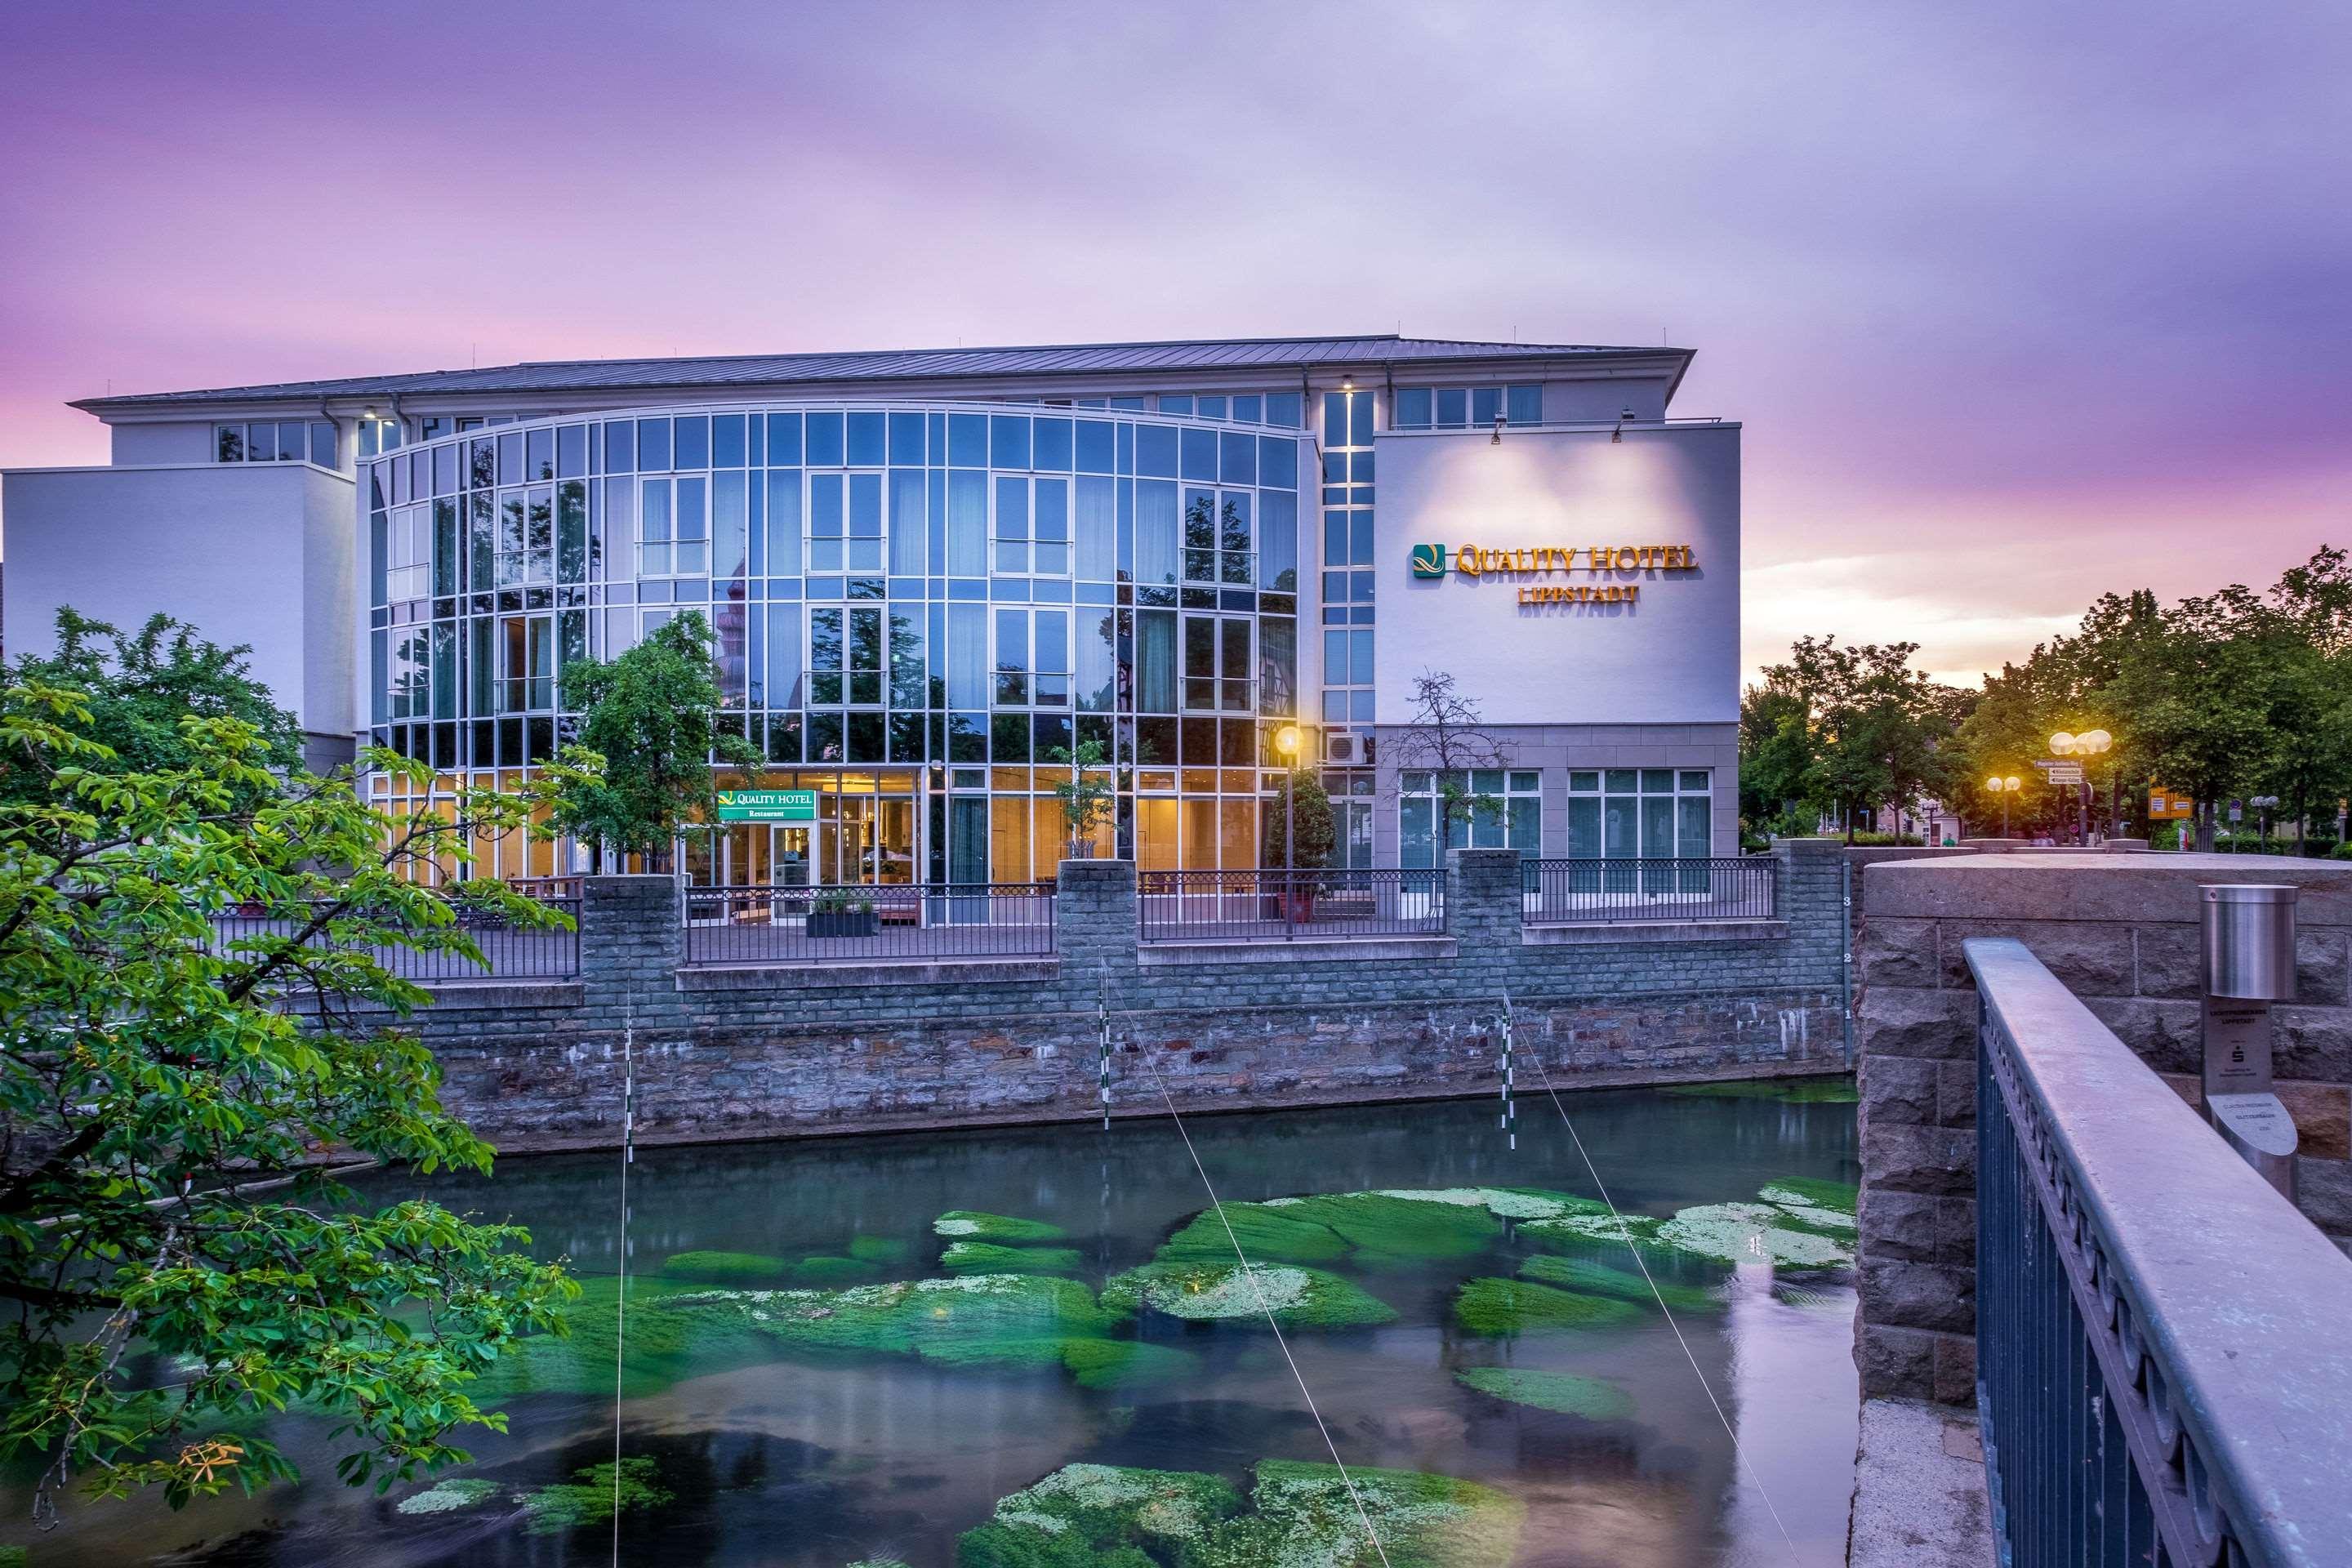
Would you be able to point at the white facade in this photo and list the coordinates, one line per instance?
(256, 554)
(1669, 654)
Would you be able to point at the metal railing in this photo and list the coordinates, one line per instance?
(1286, 906)
(1581, 891)
(509, 951)
(755, 926)
(2162, 1367)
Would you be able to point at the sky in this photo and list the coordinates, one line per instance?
(2018, 304)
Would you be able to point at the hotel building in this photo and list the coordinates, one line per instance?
(935, 577)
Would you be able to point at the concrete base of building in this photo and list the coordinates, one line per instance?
(1918, 1489)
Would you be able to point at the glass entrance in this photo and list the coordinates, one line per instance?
(866, 836)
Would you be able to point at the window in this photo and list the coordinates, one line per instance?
(408, 554)
(1506, 813)
(673, 528)
(844, 661)
(280, 441)
(1460, 407)
(1218, 537)
(526, 663)
(1651, 813)
(526, 538)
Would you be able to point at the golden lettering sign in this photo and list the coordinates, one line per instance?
(1618, 560)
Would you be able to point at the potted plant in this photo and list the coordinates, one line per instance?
(843, 912)
(1088, 799)
(1299, 806)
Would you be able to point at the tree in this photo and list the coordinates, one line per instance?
(158, 1076)
(1776, 758)
(652, 715)
(1300, 800)
(136, 689)
(1850, 728)
(1446, 736)
(1088, 797)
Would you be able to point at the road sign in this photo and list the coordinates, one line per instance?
(2061, 773)
(2166, 805)
(767, 805)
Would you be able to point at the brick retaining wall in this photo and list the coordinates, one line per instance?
(739, 1053)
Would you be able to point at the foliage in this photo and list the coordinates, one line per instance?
(1445, 735)
(591, 1496)
(1090, 797)
(1598, 1278)
(156, 1081)
(652, 715)
(990, 1258)
(841, 902)
(1375, 1229)
(1300, 799)
(135, 688)
(1843, 729)
(2221, 695)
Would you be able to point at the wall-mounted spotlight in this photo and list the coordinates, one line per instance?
(1618, 435)
(1346, 383)
(1501, 420)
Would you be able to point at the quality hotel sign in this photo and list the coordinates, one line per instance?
(1517, 565)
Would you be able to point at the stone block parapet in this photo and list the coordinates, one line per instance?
(2120, 932)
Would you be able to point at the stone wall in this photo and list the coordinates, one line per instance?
(751, 1052)
(2121, 932)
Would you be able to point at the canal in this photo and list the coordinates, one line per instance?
(1032, 1347)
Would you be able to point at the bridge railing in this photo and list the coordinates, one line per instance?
(2164, 1344)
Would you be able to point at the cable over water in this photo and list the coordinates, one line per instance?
(1739, 1452)
(1250, 1273)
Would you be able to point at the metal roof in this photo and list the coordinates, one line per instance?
(750, 370)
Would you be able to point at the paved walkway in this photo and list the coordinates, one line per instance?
(1918, 1489)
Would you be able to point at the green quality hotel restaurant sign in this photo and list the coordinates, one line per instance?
(767, 805)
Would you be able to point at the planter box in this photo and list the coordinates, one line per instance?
(845, 922)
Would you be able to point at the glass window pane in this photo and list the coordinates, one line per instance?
(1524, 405)
(785, 440)
(620, 449)
(784, 522)
(1412, 407)
(653, 449)
(1008, 441)
(1694, 779)
(1582, 779)
(1200, 453)
(824, 440)
(967, 520)
(1692, 823)
(1657, 780)
(1526, 825)
(1584, 827)
(866, 439)
(1620, 781)
(1416, 841)
(1052, 441)
(967, 440)
(908, 530)
(1094, 446)
(1452, 407)
(1486, 401)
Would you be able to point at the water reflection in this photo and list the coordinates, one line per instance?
(806, 1461)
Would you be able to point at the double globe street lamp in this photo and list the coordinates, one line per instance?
(2089, 744)
(2004, 787)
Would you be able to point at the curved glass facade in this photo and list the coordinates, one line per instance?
(925, 612)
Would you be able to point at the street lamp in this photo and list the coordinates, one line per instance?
(2089, 744)
(1286, 741)
(2263, 803)
(2004, 788)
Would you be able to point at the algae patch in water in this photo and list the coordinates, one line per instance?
(1301, 1516)
(990, 1258)
(1371, 1230)
(1749, 1233)
(450, 1495)
(591, 1496)
(970, 1224)
(1205, 1292)
(1519, 1306)
(1593, 1398)
(727, 1267)
(1599, 1279)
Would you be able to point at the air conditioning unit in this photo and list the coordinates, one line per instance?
(1347, 749)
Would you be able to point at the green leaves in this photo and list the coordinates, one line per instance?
(167, 1092)
(648, 734)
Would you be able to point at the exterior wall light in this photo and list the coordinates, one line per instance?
(1500, 420)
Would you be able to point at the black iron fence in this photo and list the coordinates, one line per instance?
(2161, 1362)
(833, 926)
(509, 951)
(1579, 892)
(1286, 906)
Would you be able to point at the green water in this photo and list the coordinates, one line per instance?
(790, 1440)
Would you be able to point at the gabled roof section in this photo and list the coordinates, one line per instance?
(1139, 359)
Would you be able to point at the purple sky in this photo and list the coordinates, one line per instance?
(2019, 303)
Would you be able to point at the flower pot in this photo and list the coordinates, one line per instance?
(845, 922)
(1079, 849)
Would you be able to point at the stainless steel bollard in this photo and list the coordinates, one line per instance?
(2248, 941)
